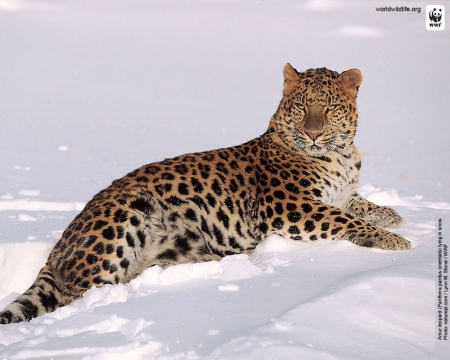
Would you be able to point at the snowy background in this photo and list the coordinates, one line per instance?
(90, 90)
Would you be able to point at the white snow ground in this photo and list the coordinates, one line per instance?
(91, 90)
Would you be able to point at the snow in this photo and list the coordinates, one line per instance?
(318, 300)
(92, 90)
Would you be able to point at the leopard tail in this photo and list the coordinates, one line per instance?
(42, 297)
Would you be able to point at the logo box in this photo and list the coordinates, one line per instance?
(435, 17)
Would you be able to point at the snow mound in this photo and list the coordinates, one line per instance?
(390, 197)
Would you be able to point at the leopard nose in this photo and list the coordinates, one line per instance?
(314, 136)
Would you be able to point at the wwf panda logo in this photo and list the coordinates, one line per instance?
(435, 15)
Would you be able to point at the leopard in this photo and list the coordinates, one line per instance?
(298, 180)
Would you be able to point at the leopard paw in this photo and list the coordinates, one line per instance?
(385, 218)
(387, 241)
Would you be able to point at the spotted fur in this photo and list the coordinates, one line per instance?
(297, 180)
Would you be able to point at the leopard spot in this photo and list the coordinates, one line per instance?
(218, 235)
(175, 201)
(317, 216)
(109, 233)
(99, 248)
(293, 229)
(120, 216)
(279, 194)
(106, 264)
(233, 186)
(285, 175)
(305, 183)
(294, 216)
(269, 211)
(91, 259)
(291, 207)
(84, 284)
(134, 221)
(335, 230)
(263, 228)
(197, 185)
(216, 187)
(87, 228)
(130, 239)
(99, 224)
(341, 220)
(142, 238)
(190, 215)
(292, 188)
(221, 167)
(181, 169)
(167, 176)
(309, 226)
(124, 263)
(120, 232)
(152, 170)
(183, 189)
(92, 239)
(168, 255)
(119, 251)
(275, 182)
(142, 205)
(143, 179)
(278, 223)
(279, 208)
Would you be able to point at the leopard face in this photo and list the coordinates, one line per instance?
(318, 111)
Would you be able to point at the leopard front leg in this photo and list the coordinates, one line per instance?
(380, 216)
(314, 221)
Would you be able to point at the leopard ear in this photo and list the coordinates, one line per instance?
(350, 81)
(291, 77)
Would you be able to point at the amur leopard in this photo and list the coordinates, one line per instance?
(297, 180)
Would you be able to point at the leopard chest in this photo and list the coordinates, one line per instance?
(338, 180)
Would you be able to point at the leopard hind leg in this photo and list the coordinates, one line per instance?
(42, 297)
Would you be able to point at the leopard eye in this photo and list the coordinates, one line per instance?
(331, 107)
(300, 107)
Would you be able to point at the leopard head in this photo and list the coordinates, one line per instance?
(317, 113)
